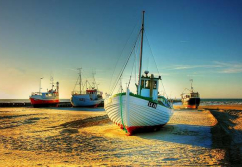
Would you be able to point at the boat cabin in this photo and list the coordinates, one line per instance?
(191, 95)
(92, 93)
(195, 94)
(149, 86)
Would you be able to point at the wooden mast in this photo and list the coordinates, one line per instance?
(141, 52)
(40, 86)
(191, 85)
(80, 83)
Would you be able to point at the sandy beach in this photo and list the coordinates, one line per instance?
(209, 136)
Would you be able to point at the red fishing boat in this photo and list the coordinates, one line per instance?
(49, 98)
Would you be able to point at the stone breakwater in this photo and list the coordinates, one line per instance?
(65, 137)
(227, 134)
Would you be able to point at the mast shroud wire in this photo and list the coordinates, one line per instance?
(155, 63)
(136, 58)
(121, 72)
(76, 84)
(121, 55)
(132, 68)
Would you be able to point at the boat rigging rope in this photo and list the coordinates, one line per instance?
(152, 53)
(132, 69)
(76, 84)
(135, 68)
(136, 58)
(77, 81)
(155, 63)
(121, 72)
(121, 55)
(89, 84)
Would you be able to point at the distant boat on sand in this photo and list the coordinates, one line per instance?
(190, 99)
(88, 98)
(49, 98)
(145, 110)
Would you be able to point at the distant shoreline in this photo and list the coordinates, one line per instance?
(175, 101)
(172, 99)
(26, 100)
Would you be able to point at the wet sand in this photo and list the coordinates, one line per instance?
(84, 137)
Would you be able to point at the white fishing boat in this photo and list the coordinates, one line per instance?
(89, 98)
(145, 110)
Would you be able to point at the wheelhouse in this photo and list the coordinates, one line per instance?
(149, 86)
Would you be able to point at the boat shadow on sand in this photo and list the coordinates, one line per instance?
(183, 134)
(220, 136)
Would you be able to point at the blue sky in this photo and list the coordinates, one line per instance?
(198, 39)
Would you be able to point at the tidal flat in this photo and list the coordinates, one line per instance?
(209, 136)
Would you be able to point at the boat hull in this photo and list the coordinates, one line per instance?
(134, 129)
(84, 101)
(39, 102)
(192, 103)
(136, 114)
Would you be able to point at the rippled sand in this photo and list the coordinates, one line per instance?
(65, 137)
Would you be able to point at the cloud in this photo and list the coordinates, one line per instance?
(230, 68)
(182, 67)
(217, 67)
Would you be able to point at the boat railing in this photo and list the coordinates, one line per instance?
(36, 93)
(165, 101)
(78, 92)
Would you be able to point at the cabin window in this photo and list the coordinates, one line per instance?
(194, 95)
(142, 83)
(155, 85)
(187, 96)
(147, 84)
